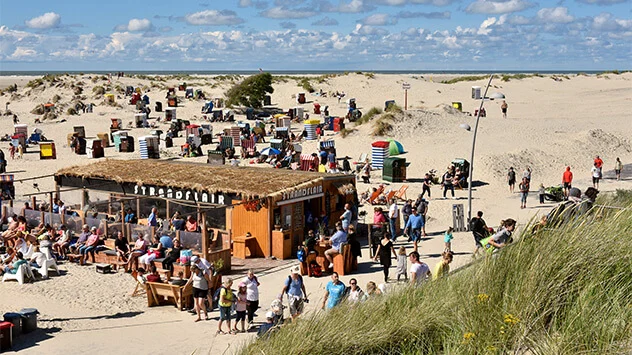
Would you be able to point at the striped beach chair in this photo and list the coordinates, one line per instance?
(235, 132)
(307, 161)
(248, 147)
(225, 142)
(328, 144)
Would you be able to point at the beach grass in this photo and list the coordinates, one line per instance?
(559, 291)
(374, 111)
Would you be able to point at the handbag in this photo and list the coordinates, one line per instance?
(185, 256)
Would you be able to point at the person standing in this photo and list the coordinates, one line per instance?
(252, 294)
(200, 282)
(3, 162)
(524, 191)
(152, 220)
(393, 218)
(413, 227)
(527, 174)
(226, 300)
(407, 210)
(567, 180)
(596, 175)
(618, 166)
(426, 185)
(479, 229)
(384, 250)
(346, 218)
(296, 294)
(541, 192)
(511, 179)
(598, 161)
(419, 271)
(334, 292)
(442, 269)
(447, 182)
(503, 108)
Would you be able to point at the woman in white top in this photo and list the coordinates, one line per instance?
(200, 282)
(252, 294)
(355, 293)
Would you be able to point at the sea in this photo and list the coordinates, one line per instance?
(292, 72)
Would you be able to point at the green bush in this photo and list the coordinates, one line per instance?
(564, 290)
(306, 85)
(251, 91)
(374, 111)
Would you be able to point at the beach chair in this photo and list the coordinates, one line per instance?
(23, 273)
(248, 147)
(225, 143)
(401, 193)
(140, 288)
(374, 196)
(306, 161)
(43, 270)
(390, 195)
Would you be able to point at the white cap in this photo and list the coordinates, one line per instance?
(270, 315)
(194, 258)
(295, 270)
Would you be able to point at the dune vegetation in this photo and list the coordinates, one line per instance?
(564, 290)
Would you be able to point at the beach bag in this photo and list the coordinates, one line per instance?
(315, 270)
(185, 256)
(488, 247)
(300, 254)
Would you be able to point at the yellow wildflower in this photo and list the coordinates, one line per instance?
(510, 319)
(482, 297)
(491, 348)
(467, 337)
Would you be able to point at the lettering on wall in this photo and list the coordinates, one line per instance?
(308, 191)
(184, 195)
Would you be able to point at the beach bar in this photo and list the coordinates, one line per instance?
(263, 212)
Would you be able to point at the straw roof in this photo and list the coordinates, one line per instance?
(245, 181)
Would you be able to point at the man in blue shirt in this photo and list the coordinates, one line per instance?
(336, 241)
(334, 292)
(153, 217)
(414, 225)
(296, 294)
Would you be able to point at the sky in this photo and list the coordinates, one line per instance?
(316, 35)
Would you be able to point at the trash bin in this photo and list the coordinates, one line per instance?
(6, 336)
(29, 320)
(16, 320)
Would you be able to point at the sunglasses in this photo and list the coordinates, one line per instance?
(353, 283)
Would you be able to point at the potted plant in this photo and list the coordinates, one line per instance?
(216, 277)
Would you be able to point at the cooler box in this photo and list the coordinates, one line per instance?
(29, 319)
(394, 169)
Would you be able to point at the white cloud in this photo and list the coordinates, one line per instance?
(325, 21)
(497, 7)
(602, 2)
(519, 20)
(354, 6)
(378, 20)
(280, 12)
(428, 15)
(135, 25)
(213, 18)
(404, 2)
(555, 15)
(606, 22)
(46, 21)
(484, 29)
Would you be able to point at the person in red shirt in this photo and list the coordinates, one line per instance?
(598, 162)
(154, 276)
(567, 180)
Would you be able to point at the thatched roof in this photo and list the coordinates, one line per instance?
(245, 181)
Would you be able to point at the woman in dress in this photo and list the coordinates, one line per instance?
(384, 250)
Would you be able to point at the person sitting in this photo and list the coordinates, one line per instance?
(180, 280)
(310, 242)
(121, 247)
(266, 328)
(13, 267)
(7, 257)
(336, 242)
(153, 276)
(63, 241)
(178, 222)
(156, 250)
(38, 259)
(172, 256)
(130, 216)
(81, 240)
(9, 235)
(89, 247)
(191, 224)
(140, 247)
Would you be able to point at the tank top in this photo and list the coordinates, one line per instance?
(199, 281)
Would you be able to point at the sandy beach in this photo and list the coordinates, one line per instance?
(553, 121)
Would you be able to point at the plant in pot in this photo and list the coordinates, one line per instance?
(216, 277)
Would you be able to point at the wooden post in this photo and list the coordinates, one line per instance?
(110, 204)
(204, 235)
(137, 207)
(11, 203)
(34, 202)
(50, 207)
(105, 226)
(123, 220)
(57, 193)
(83, 199)
(270, 218)
(167, 215)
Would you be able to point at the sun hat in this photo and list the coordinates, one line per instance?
(194, 258)
(295, 270)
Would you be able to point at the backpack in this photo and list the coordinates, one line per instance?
(314, 270)
(216, 296)
(300, 254)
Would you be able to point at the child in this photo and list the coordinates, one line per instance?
(447, 239)
(240, 308)
(401, 263)
(541, 193)
(12, 151)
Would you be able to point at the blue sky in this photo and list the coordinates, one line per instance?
(316, 35)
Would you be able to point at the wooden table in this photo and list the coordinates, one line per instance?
(243, 245)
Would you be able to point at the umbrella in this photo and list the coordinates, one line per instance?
(270, 151)
(395, 147)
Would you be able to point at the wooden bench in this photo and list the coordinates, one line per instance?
(343, 262)
(308, 260)
(244, 246)
(159, 294)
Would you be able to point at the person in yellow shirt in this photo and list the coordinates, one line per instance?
(226, 300)
(443, 267)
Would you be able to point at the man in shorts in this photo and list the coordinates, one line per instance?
(296, 294)
(567, 180)
(413, 226)
(511, 179)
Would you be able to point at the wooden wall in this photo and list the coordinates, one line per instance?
(257, 223)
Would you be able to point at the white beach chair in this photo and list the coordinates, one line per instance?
(23, 273)
(49, 264)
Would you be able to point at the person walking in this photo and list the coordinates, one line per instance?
(393, 218)
(252, 294)
(618, 166)
(200, 281)
(226, 301)
(567, 180)
(295, 290)
(384, 250)
(524, 191)
(596, 175)
(447, 181)
(479, 229)
(503, 108)
(413, 227)
(511, 179)
(334, 292)
(426, 185)
(419, 271)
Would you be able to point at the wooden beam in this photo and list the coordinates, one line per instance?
(204, 237)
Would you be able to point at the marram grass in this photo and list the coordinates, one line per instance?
(562, 291)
